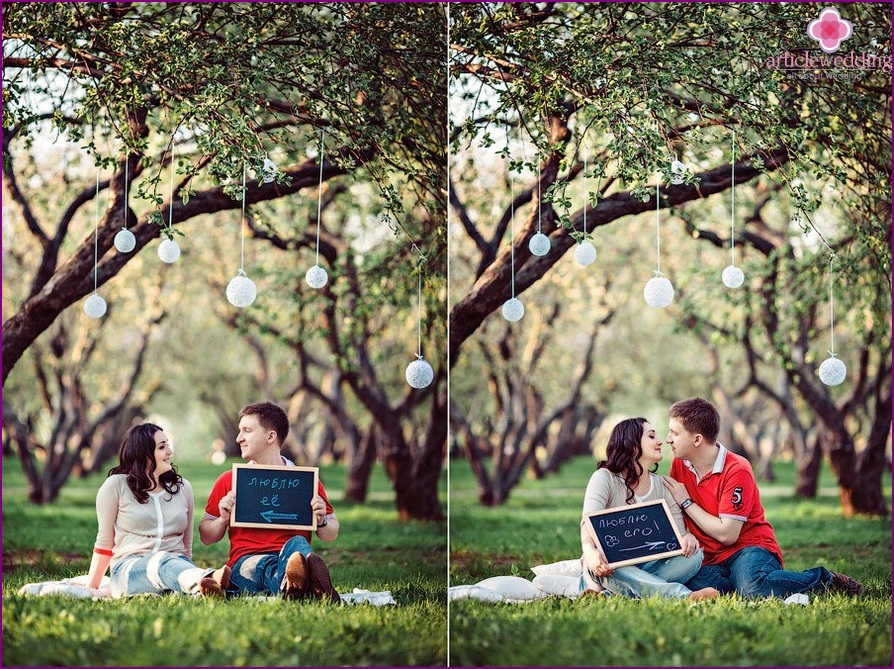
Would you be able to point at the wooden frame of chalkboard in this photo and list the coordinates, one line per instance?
(274, 496)
(635, 533)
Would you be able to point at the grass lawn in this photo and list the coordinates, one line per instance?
(539, 524)
(374, 552)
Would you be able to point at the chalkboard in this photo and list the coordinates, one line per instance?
(274, 496)
(635, 533)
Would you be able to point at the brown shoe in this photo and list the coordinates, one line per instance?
(295, 582)
(320, 581)
(216, 584)
(846, 585)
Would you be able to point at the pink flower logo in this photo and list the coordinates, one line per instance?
(830, 30)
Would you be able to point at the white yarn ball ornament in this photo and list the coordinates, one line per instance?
(316, 277)
(241, 290)
(268, 171)
(733, 277)
(585, 253)
(419, 373)
(832, 372)
(539, 244)
(95, 306)
(659, 292)
(168, 251)
(678, 172)
(125, 241)
(513, 310)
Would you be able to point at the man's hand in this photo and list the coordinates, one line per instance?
(675, 488)
(318, 504)
(690, 545)
(227, 502)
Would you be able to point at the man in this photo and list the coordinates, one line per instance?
(721, 505)
(269, 560)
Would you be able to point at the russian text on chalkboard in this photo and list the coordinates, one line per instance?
(635, 533)
(273, 496)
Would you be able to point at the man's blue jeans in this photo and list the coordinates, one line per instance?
(263, 573)
(756, 572)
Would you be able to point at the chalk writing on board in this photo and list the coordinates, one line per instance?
(274, 496)
(635, 533)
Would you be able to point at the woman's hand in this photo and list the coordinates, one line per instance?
(675, 488)
(690, 544)
(598, 565)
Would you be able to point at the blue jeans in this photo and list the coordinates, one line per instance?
(263, 573)
(662, 578)
(155, 573)
(756, 572)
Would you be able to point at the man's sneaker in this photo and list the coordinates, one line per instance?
(294, 584)
(846, 585)
(216, 583)
(320, 581)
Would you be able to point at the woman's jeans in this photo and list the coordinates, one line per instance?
(660, 578)
(264, 573)
(756, 572)
(156, 573)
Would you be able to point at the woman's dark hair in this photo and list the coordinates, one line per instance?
(136, 454)
(624, 451)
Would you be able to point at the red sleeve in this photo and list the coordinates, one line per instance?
(321, 491)
(738, 495)
(222, 486)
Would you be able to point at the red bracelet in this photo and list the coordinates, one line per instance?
(103, 551)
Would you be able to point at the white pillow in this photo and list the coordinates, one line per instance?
(473, 592)
(553, 584)
(512, 587)
(561, 568)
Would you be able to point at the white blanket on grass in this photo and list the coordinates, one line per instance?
(77, 587)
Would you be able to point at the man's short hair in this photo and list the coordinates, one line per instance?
(270, 416)
(697, 416)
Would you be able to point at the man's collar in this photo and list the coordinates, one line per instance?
(719, 461)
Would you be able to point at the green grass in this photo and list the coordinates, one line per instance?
(539, 525)
(374, 551)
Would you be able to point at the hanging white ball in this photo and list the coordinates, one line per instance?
(513, 310)
(539, 244)
(316, 277)
(168, 251)
(733, 277)
(95, 306)
(419, 374)
(585, 253)
(125, 241)
(832, 371)
(268, 171)
(678, 172)
(659, 292)
(241, 290)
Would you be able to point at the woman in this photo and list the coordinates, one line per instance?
(145, 511)
(626, 477)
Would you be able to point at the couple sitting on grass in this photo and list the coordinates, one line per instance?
(145, 513)
(728, 545)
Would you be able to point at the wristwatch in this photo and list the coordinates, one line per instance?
(686, 503)
(326, 522)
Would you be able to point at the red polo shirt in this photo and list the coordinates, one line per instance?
(727, 491)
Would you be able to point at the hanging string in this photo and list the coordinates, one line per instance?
(242, 223)
(320, 193)
(511, 217)
(126, 180)
(658, 229)
(419, 266)
(732, 238)
(831, 305)
(539, 204)
(96, 234)
(171, 198)
(586, 193)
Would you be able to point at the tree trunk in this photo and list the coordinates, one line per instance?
(808, 463)
(361, 466)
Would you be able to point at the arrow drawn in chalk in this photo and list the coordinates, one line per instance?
(270, 516)
(651, 545)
